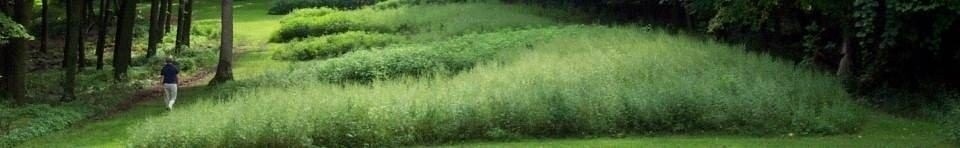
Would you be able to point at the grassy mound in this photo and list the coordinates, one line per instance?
(441, 20)
(332, 45)
(595, 82)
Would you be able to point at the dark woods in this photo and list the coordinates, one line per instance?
(63, 31)
(874, 45)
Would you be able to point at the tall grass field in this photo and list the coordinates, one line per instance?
(595, 81)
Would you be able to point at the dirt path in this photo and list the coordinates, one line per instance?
(154, 92)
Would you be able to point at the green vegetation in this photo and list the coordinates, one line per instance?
(20, 124)
(309, 12)
(332, 45)
(599, 81)
(481, 73)
(439, 20)
(23, 123)
(876, 46)
(952, 128)
(10, 29)
(285, 6)
(879, 131)
(442, 57)
(387, 4)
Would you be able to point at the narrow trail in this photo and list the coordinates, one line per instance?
(156, 91)
(110, 129)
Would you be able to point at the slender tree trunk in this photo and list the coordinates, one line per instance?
(844, 69)
(81, 44)
(124, 38)
(188, 22)
(6, 59)
(13, 62)
(168, 4)
(163, 18)
(181, 12)
(44, 31)
(72, 45)
(155, 28)
(102, 34)
(225, 68)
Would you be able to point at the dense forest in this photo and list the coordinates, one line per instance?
(383, 73)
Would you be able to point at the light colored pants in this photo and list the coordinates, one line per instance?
(170, 94)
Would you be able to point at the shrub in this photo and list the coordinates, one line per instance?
(310, 12)
(599, 81)
(387, 4)
(206, 28)
(332, 46)
(444, 20)
(285, 6)
(449, 56)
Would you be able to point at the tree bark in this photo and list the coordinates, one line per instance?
(155, 28)
(846, 62)
(72, 45)
(183, 29)
(102, 34)
(13, 62)
(168, 6)
(81, 44)
(124, 38)
(44, 22)
(180, 17)
(224, 67)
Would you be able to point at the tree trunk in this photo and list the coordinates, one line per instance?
(163, 18)
(844, 69)
(154, 36)
(168, 4)
(188, 22)
(183, 29)
(124, 38)
(72, 45)
(13, 62)
(81, 44)
(225, 68)
(102, 34)
(44, 22)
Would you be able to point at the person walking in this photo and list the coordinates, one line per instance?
(169, 73)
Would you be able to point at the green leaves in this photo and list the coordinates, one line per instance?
(10, 29)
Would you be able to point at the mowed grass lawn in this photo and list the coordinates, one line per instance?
(880, 130)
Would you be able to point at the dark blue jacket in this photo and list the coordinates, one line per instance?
(169, 73)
